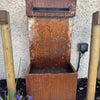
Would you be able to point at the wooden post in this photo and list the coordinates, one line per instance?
(7, 50)
(94, 56)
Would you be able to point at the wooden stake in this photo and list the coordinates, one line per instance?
(7, 50)
(94, 56)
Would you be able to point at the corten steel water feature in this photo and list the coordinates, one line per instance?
(50, 75)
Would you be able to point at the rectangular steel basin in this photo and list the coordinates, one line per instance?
(52, 83)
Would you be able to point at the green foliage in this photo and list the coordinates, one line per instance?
(18, 96)
(18, 71)
(1, 98)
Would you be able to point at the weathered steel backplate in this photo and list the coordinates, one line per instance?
(49, 41)
(55, 8)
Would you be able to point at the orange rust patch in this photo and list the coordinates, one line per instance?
(49, 42)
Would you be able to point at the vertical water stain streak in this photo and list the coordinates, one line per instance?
(49, 42)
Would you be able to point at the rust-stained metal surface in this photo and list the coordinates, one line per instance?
(49, 41)
(70, 4)
(52, 86)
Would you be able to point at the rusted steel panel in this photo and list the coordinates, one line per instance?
(49, 41)
(38, 8)
(48, 86)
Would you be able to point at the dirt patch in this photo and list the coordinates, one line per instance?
(21, 87)
(82, 89)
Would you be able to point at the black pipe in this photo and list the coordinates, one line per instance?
(79, 61)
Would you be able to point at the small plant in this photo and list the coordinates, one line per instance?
(17, 96)
(23, 98)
